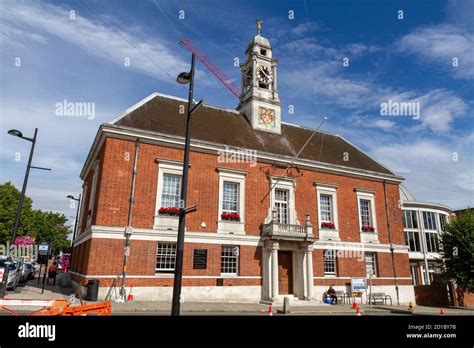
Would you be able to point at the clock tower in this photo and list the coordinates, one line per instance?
(259, 100)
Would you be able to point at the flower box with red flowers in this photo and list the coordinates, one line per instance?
(230, 216)
(169, 211)
(328, 225)
(368, 229)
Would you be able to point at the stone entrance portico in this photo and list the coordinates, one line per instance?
(297, 239)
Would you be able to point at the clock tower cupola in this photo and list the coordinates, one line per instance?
(259, 100)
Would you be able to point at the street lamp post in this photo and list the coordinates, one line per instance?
(17, 133)
(183, 78)
(78, 200)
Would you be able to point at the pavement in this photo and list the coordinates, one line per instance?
(145, 307)
(33, 290)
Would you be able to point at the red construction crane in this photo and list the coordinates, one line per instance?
(213, 68)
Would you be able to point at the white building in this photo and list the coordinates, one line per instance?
(423, 223)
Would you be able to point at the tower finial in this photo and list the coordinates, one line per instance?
(259, 25)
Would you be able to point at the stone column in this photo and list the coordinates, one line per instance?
(275, 83)
(309, 272)
(275, 290)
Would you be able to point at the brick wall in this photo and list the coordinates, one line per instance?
(352, 267)
(112, 204)
(462, 298)
(431, 295)
(106, 259)
(115, 178)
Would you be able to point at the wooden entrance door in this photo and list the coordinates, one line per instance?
(285, 272)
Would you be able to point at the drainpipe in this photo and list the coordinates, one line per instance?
(390, 241)
(128, 229)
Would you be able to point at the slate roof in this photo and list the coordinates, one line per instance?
(162, 114)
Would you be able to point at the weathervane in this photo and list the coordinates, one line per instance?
(259, 26)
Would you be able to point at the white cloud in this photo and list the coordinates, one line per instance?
(384, 124)
(305, 28)
(440, 44)
(328, 83)
(358, 49)
(40, 19)
(430, 171)
(10, 34)
(439, 108)
(62, 145)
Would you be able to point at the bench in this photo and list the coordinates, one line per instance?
(342, 296)
(379, 297)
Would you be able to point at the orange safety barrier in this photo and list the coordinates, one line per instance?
(58, 308)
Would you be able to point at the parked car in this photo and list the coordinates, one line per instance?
(36, 265)
(28, 272)
(14, 272)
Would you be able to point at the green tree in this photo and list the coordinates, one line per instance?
(458, 249)
(9, 199)
(45, 226)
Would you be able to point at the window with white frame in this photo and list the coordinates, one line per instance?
(329, 261)
(282, 200)
(366, 206)
(414, 275)
(429, 220)
(443, 220)
(412, 239)
(83, 210)
(432, 269)
(230, 200)
(229, 260)
(370, 264)
(168, 192)
(165, 257)
(325, 206)
(281, 205)
(171, 191)
(92, 197)
(409, 219)
(432, 242)
(365, 212)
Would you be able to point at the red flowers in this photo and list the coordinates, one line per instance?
(328, 225)
(230, 216)
(169, 211)
(368, 228)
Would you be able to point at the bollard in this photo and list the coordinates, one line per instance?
(286, 305)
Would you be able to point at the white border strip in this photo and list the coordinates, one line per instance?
(375, 278)
(107, 232)
(160, 276)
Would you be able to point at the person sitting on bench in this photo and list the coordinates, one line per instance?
(331, 293)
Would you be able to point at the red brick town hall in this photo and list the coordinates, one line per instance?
(259, 232)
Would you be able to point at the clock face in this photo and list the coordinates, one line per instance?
(266, 117)
(264, 76)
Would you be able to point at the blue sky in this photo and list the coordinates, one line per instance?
(81, 59)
